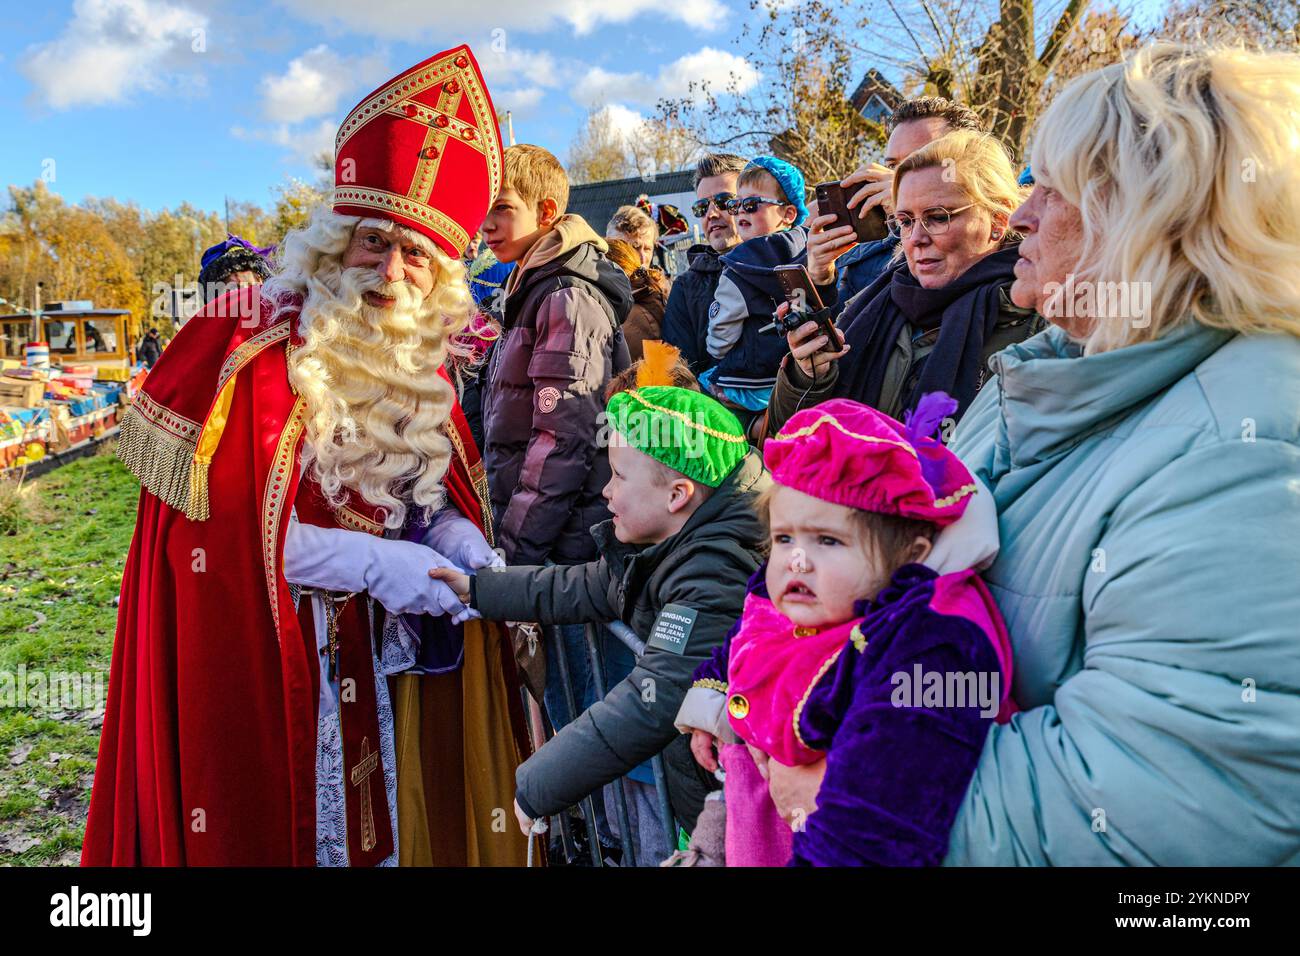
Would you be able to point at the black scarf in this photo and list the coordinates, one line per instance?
(965, 312)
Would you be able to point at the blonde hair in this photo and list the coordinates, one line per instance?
(375, 404)
(535, 174)
(980, 165)
(632, 221)
(1183, 164)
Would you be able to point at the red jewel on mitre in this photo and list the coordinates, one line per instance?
(423, 150)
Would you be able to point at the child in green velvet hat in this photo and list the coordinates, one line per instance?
(668, 449)
(675, 559)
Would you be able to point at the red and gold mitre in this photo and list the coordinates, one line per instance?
(423, 150)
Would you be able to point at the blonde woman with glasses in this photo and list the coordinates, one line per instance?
(930, 322)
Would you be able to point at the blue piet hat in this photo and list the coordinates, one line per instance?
(789, 177)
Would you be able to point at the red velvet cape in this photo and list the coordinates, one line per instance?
(208, 751)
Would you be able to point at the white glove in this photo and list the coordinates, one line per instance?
(394, 573)
(459, 539)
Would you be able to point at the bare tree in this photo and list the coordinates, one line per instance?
(657, 146)
(598, 151)
(800, 110)
(994, 55)
(1102, 38)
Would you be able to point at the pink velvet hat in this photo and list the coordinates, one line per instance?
(850, 454)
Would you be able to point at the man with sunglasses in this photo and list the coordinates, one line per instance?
(686, 316)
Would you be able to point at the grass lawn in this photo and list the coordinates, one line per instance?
(62, 550)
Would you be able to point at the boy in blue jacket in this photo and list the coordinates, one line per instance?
(770, 211)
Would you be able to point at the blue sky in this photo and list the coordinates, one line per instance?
(163, 101)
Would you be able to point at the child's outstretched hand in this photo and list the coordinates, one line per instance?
(702, 747)
(456, 580)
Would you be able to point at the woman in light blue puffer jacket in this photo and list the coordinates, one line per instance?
(1144, 454)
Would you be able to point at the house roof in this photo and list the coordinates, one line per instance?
(596, 202)
(875, 84)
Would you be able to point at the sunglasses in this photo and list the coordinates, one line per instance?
(750, 204)
(701, 206)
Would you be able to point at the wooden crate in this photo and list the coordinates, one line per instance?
(21, 392)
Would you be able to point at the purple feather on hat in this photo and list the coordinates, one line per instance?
(920, 425)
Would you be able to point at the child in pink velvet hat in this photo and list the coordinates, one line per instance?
(869, 650)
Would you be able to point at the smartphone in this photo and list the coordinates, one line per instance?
(831, 200)
(799, 289)
(805, 304)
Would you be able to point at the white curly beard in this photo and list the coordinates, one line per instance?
(375, 404)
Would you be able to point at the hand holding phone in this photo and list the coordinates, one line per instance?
(831, 200)
(870, 186)
(815, 346)
(804, 304)
(798, 287)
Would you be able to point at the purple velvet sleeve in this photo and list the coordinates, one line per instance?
(895, 775)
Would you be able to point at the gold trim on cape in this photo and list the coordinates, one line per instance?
(157, 446)
(242, 353)
(354, 520)
(273, 502)
(477, 477)
(162, 448)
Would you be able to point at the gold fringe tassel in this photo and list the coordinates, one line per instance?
(196, 509)
(162, 462)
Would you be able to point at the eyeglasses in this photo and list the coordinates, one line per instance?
(701, 206)
(749, 205)
(934, 221)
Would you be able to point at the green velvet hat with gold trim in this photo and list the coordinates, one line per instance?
(688, 431)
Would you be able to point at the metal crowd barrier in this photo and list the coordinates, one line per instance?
(560, 820)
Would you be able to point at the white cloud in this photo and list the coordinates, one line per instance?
(113, 48)
(513, 64)
(314, 82)
(309, 142)
(407, 19)
(622, 120)
(599, 86)
(716, 67)
(521, 103)
(304, 143)
(318, 83)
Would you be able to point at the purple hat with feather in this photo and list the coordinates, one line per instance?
(850, 454)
